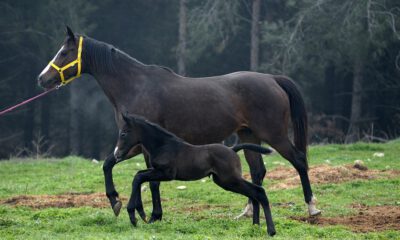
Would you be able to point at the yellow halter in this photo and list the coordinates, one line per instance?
(78, 61)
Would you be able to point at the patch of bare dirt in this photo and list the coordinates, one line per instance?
(97, 200)
(67, 200)
(288, 177)
(368, 219)
(203, 207)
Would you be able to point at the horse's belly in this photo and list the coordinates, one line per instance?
(203, 128)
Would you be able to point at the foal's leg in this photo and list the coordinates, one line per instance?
(155, 195)
(252, 191)
(141, 177)
(257, 167)
(139, 202)
(111, 193)
(297, 158)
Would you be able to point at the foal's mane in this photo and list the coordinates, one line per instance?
(155, 127)
(100, 55)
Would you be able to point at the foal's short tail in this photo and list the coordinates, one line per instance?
(298, 114)
(252, 147)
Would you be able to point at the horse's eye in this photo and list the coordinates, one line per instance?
(123, 134)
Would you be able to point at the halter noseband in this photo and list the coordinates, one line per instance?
(78, 61)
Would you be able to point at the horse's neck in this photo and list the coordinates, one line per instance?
(120, 84)
(114, 88)
(117, 74)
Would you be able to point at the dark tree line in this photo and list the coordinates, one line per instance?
(345, 56)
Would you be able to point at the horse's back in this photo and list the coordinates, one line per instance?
(217, 105)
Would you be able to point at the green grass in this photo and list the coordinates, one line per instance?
(72, 174)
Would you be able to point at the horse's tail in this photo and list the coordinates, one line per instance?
(252, 147)
(298, 114)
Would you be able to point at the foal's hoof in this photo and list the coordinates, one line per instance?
(133, 220)
(142, 215)
(117, 207)
(155, 218)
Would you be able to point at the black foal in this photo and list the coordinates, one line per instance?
(172, 158)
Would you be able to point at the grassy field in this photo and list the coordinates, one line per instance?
(202, 210)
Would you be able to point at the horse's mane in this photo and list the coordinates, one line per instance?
(99, 54)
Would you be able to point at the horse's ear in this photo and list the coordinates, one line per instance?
(70, 33)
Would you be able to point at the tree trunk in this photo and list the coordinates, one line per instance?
(182, 38)
(329, 89)
(353, 133)
(45, 122)
(29, 127)
(255, 36)
(95, 138)
(74, 120)
(29, 116)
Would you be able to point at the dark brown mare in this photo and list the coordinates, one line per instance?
(172, 158)
(256, 106)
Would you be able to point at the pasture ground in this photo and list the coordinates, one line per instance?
(64, 199)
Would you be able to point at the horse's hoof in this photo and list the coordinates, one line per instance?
(155, 218)
(312, 209)
(117, 208)
(271, 232)
(247, 212)
(315, 212)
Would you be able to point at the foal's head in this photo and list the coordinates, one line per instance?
(129, 137)
(66, 64)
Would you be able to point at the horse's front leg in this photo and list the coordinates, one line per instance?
(111, 193)
(156, 214)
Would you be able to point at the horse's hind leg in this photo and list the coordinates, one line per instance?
(298, 160)
(111, 193)
(155, 196)
(256, 165)
(252, 191)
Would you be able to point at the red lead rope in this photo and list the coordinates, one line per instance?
(26, 101)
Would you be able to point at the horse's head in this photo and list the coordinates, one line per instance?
(129, 137)
(66, 64)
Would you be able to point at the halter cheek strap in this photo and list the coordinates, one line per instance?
(78, 61)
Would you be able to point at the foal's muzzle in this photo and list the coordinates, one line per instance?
(118, 155)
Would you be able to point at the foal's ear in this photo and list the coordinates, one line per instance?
(126, 118)
(70, 33)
